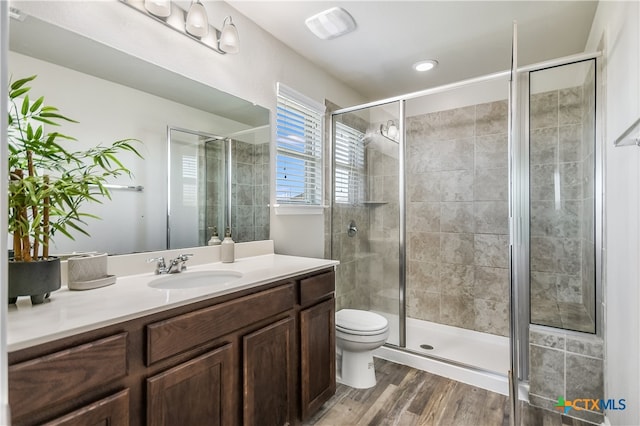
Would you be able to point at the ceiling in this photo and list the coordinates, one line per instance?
(467, 38)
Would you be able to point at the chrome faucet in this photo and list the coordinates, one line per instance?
(176, 265)
(161, 267)
(180, 260)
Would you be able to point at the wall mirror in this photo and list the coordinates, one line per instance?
(113, 96)
(563, 197)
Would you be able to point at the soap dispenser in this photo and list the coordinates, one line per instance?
(214, 240)
(227, 248)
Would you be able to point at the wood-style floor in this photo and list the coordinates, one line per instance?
(406, 396)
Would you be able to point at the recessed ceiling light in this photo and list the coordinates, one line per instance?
(425, 65)
(331, 23)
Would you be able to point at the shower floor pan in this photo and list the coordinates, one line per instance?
(483, 351)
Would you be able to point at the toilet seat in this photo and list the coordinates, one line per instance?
(363, 323)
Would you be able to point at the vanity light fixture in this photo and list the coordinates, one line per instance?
(390, 130)
(197, 23)
(425, 65)
(193, 23)
(331, 23)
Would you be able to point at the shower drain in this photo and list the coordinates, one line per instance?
(427, 347)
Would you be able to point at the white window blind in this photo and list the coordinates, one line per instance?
(299, 148)
(349, 165)
(189, 180)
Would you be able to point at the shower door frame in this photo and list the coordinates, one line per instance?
(522, 174)
(519, 205)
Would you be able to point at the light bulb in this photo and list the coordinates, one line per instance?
(161, 8)
(392, 131)
(197, 22)
(229, 39)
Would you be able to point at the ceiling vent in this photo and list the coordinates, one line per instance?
(331, 23)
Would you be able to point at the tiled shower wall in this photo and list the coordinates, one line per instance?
(568, 365)
(562, 223)
(368, 275)
(249, 190)
(384, 212)
(352, 275)
(457, 217)
(214, 212)
(353, 287)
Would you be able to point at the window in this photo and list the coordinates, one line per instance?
(298, 149)
(189, 180)
(349, 165)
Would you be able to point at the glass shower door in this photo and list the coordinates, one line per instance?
(365, 218)
(562, 196)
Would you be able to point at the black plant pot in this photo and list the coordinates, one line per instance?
(36, 279)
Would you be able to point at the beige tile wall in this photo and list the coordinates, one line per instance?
(457, 217)
(562, 232)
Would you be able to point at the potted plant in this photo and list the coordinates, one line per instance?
(48, 183)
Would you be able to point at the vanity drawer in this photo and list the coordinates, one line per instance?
(317, 287)
(60, 376)
(175, 335)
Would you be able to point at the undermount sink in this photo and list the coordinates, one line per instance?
(195, 279)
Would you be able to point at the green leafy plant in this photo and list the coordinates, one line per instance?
(48, 183)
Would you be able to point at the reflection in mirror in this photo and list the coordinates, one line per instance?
(250, 177)
(217, 182)
(113, 96)
(562, 196)
(197, 187)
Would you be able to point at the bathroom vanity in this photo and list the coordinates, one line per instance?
(260, 352)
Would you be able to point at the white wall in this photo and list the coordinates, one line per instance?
(619, 23)
(252, 74)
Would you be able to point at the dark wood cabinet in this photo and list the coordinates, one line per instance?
(261, 356)
(196, 392)
(51, 379)
(317, 356)
(268, 371)
(110, 411)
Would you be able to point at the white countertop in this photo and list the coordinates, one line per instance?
(68, 312)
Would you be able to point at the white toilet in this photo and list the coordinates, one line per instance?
(358, 334)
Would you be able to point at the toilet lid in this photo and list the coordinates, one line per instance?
(357, 320)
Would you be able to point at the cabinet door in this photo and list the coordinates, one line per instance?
(197, 392)
(318, 354)
(46, 381)
(268, 375)
(111, 411)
